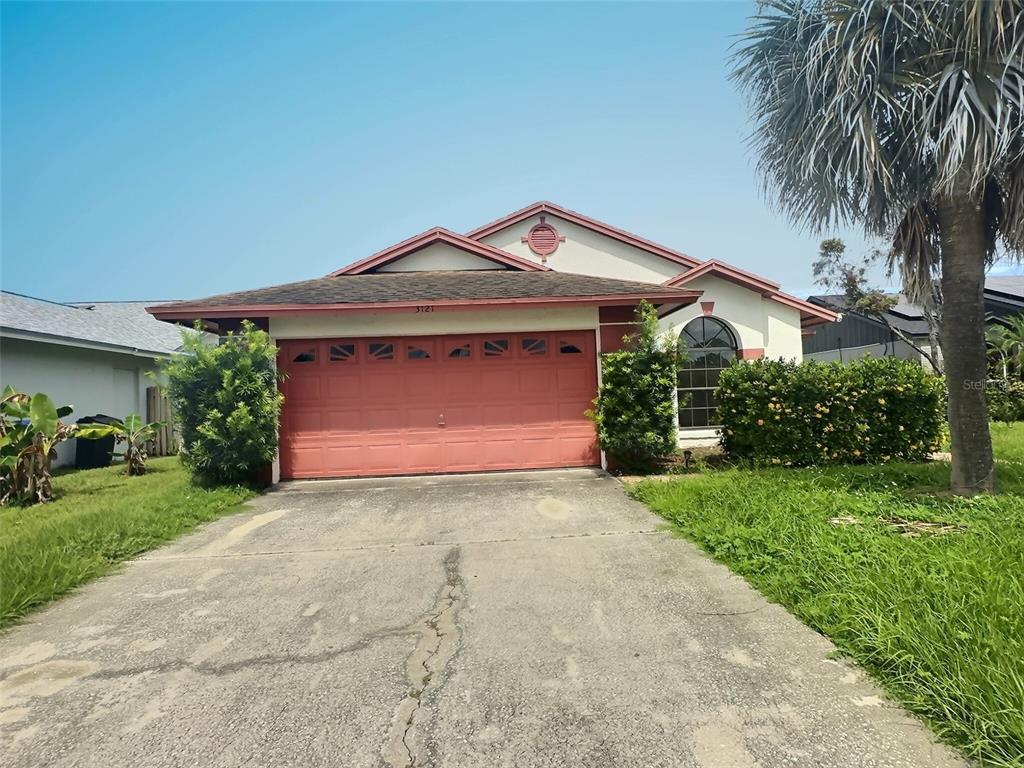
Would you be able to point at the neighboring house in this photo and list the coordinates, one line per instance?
(858, 335)
(453, 353)
(92, 356)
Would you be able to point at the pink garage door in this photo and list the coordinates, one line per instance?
(393, 406)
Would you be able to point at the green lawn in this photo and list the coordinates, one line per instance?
(937, 618)
(99, 518)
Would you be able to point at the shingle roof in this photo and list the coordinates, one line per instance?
(1011, 286)
(427, 287)
(904, 316)
(122, 325)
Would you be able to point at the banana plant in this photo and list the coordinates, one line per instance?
(30, 430)
(133, 432)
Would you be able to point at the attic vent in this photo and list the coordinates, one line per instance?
(543, 239)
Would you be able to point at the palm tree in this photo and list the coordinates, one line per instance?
(904, 118)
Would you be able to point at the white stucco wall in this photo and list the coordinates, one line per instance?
(585, 252)
(439, 256)
(413, 323)
(759, 323)
(92, 381)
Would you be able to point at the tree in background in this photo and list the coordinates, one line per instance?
(904, 118)
(834, 272)
(227, 403)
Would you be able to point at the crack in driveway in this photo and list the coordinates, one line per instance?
(439, 640)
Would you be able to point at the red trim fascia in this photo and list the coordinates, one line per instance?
(439, 235)
(588, 223)
(810, 314)
(189, 312)
(727, 272)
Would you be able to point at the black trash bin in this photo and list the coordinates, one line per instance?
(92, 454)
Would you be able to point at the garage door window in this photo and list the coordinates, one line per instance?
(419, 351)
(532, 347)
(495, 347)
(458, 351)
(341, 353)
(382, 351)
(568, 348)
(305, 356)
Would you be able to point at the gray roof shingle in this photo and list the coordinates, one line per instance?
(124, 325)
(432, 286)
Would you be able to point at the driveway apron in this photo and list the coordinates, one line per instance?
(523, 619)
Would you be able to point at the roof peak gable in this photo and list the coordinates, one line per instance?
(553, 209)
(433, 236)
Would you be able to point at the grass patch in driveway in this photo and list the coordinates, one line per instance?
(925, 590)
(99, 518)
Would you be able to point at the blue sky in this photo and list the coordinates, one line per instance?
(157, 151)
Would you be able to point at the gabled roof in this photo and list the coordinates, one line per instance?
(383, 291)
(727, 272)
(440, 235)
(810, 314)
(586, 222)
(116, 326)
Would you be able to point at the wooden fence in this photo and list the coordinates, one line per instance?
(159, 409)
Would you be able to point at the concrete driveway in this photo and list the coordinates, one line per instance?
(537, 619)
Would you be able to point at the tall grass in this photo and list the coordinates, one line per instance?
(99, 518)
(938, 619)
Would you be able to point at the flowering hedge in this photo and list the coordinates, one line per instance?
(800, 414)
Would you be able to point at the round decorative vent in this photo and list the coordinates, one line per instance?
(543, 239)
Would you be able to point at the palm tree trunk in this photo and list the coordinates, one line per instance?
(963, 342)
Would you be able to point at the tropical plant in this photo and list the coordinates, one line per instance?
(1005, 339)
(133, 432)
(635, 411)
(30, 430)
(905, 118)
(226, 401)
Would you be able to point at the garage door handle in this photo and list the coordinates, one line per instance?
(440, 420)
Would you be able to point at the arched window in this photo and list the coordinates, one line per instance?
(710, 347)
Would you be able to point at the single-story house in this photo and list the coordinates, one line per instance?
(93, 356)
(454, 352)
(859, 335)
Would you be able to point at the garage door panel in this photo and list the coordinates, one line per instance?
(538, 413)
(501, 415)
(382, 386)
(305, 423)
(390, 418)
(536, 379)
(425, 456)
(422, 417)
(341, 387)
(344, 459)
(573, 380)
(302, 390)
(384, 456)
(377, 414)
(349, 420)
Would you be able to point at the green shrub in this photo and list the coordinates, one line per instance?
(801, 414)
(1005, 400)
(227, 404)
(634, 410)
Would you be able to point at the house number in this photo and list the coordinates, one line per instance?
(424, 308)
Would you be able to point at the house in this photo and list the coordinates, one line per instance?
(92, 356)
(859, 335)
(454, 352)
